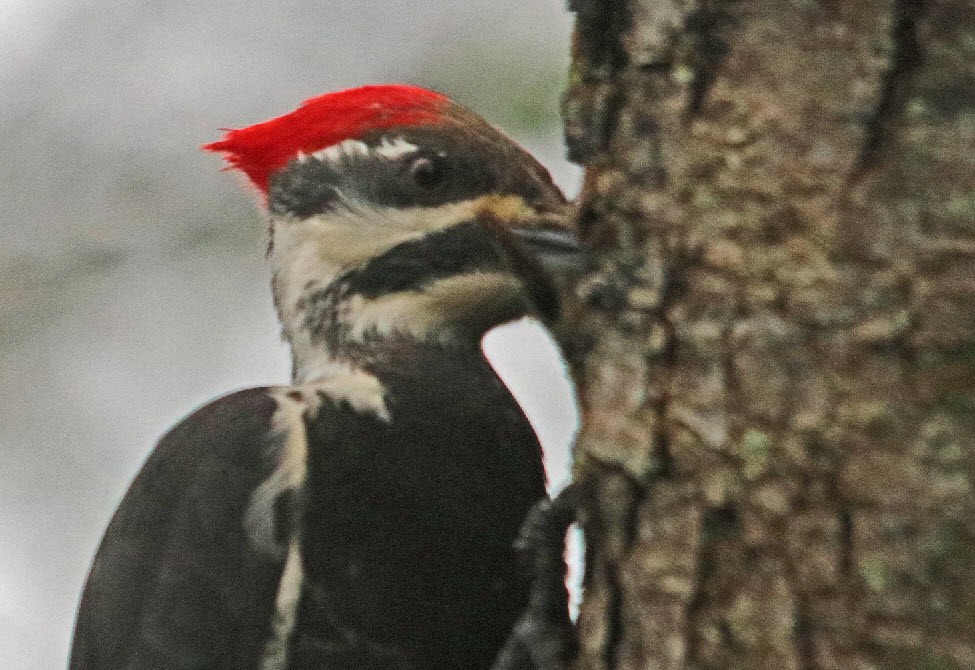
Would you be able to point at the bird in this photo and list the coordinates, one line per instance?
(362, 516)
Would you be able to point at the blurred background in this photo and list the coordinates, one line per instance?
(132, 284)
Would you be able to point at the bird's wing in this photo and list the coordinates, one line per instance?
(195, 561)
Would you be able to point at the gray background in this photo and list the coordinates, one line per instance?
(132, 286)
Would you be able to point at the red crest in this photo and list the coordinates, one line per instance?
(323, 121)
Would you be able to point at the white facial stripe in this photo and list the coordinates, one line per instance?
(292, 579)
(314, 251)
(309, 254)
(289, 475)
(350, 235)
(424, 314)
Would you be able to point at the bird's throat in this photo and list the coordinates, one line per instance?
(454, 311)
(447, 286)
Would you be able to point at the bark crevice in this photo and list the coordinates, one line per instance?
(705, 30)
(905, 60)
(804, 638)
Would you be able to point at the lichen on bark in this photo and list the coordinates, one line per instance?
(775, 347)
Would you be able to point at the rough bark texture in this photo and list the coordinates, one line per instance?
(776, 350)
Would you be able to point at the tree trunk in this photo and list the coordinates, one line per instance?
(776, 347)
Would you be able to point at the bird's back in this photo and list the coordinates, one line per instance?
(175, 582)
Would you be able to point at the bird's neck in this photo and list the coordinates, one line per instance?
(356, 283)
(446, 290)
(352, 329)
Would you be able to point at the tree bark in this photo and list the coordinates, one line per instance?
(775, 347)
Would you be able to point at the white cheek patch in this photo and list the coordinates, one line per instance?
(309, 254)
(314, 251)
(300, 260)
(428, 313)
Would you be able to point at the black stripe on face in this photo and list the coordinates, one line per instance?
(450, 164)
(482, 245)
(413, 264)
(304, 188)
(470, 161)
(428, 177)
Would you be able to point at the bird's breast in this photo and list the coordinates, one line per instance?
(409, 522)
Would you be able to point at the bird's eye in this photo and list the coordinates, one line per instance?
(427, 173)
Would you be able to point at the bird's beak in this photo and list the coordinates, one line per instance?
(557, 249)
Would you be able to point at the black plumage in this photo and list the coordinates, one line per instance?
(408, 559)
(175, 570)
(411, 548)
(363, 518)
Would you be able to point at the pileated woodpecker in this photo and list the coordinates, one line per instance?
(363, 517)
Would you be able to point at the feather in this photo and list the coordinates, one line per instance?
(324, 121)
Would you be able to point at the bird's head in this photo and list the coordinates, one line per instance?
(395, 211)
